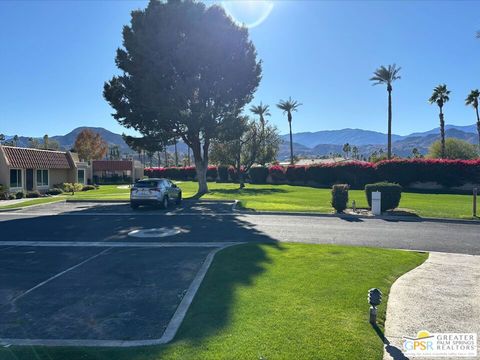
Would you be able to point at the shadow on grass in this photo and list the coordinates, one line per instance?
(214, 305)
(248, 191)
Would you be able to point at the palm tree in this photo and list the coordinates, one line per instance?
(472, 99)
(387, 75)
(262, 111)
(288, 106)
(440, 97)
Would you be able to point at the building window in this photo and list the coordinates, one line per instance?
(81, 176)
(15, 178)
(42, 177)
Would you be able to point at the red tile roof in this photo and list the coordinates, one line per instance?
(26, 158)
(112, 165)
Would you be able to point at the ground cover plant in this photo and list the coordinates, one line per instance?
(271, 301)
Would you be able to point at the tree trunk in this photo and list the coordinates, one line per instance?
(176, 152)
(201, 169)
(166, 156)
(241, 179)
(478, 125)
(291, 139)
(188, 156)
(442, 133)
(389, 151)
(158, 158)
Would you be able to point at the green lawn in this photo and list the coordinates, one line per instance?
(300, 198)
(273, 301)
(31, 202)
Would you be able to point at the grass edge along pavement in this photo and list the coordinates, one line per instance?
(289, 198)
(270, 301)
(283, 198)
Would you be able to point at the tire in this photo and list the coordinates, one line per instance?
(165, 202)
(179, 199)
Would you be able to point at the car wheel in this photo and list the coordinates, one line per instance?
(179, 199)
(165, 202)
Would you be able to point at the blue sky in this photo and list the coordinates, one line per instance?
(56, 55)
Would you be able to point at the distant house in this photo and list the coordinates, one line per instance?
(25, 169)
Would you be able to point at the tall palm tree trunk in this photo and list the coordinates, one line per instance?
(291, 137)
(478, 125)
(389, 140)
(442, 132)
(176, 152)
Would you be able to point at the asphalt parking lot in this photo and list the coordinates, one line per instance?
(92, 293)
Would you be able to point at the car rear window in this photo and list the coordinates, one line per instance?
(146, 184)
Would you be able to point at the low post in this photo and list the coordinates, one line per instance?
(376, 203)
(475, 192)
(374, 299)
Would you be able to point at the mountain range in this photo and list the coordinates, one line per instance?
(310, 143)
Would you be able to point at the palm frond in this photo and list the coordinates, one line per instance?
(472, 98)
(288, 105)
(386, 75)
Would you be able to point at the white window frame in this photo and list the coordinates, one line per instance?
(21, 179)
(42, 184)
(84, 176)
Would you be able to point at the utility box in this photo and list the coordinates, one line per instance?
(376, 203)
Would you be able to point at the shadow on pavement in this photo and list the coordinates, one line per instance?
(393, 351)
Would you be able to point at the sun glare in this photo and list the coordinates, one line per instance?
(249, 13)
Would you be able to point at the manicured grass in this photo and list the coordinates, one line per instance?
(274, 301)
(36, 201)
(104, 192)
(300, 198)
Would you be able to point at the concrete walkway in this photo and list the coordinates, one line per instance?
(441, 295)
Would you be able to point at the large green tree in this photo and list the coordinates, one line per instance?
(289, 106)
(454, 149)
(248, 144)
(187, 67)
(472, 99)
(386, 76)
(440, 96)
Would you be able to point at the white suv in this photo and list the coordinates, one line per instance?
(158, 192)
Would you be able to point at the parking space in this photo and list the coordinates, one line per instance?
(92, 293)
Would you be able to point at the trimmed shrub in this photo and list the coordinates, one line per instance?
(72, 187)
(447, 173)
(222, 173)
(54, 191)
(277, 173)
(340, 197)
(391, 194)
(296, 173)
(33, 194)
(232, 173)
(19, 195)
(355, 173)
(212, 173)
(88, 187)
(258, 174)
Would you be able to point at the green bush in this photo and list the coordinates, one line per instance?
(72, 187)
(33, 194)
(223, 173)
(11, 197)
(19, 195)
(54, 191)
(258, 174)
(391, 194)
(340, 197)
(88, 187)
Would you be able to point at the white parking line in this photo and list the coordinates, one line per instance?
(167, 336)
(58, 275)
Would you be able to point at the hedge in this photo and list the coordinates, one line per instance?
(391, 194)
(356, 174)
(258, 174)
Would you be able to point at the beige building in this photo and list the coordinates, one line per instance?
(25, 169)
